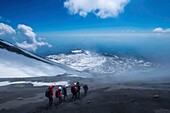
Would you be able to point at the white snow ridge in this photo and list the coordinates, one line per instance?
(82, 60)
(16, 62)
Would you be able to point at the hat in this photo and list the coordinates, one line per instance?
(51, 86)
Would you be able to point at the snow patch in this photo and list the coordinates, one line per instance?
(77, 51)
(5, 83)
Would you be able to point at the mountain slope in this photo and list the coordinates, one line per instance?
(16, 62)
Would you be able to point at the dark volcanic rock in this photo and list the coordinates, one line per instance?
(156, 96)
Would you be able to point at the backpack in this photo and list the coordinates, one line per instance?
(56, 93)
(72, 89)
(47, 92)
(85, 87)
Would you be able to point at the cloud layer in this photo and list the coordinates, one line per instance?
(23, 37)
(161, 30)
(6, 29)
(100, 8)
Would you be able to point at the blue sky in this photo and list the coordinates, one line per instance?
(69, 24)
(52, 16)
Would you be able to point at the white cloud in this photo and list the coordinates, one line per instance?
(27, 32)
(32, 46)
(161, 30)
(25, 45)
(24, 37)
(32, 42)
(101, 8)
(6, 29)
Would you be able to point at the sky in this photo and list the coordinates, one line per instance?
(32, 24)
(54, 15)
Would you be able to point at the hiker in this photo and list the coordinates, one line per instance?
(49, 94)
(58, 94)
(78, 90)
(64, 92)
(85, 87)
(74, 91)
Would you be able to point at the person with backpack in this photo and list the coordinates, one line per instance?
(59, 94)
(74, 91)
(49, 94)
(64, 89)
(85, 87)
(78, 90)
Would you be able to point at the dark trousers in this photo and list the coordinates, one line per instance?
(78, 94)
(50, 101)
(74, 96)
(60, 99)
(85, 92)
(65, 97)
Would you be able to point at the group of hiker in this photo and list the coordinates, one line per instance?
(61, 92)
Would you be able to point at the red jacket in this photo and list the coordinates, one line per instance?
(75, 89)
(59, 93)
(51, 91)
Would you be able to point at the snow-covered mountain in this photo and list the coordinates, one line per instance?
(16, 62)
(93, 62)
